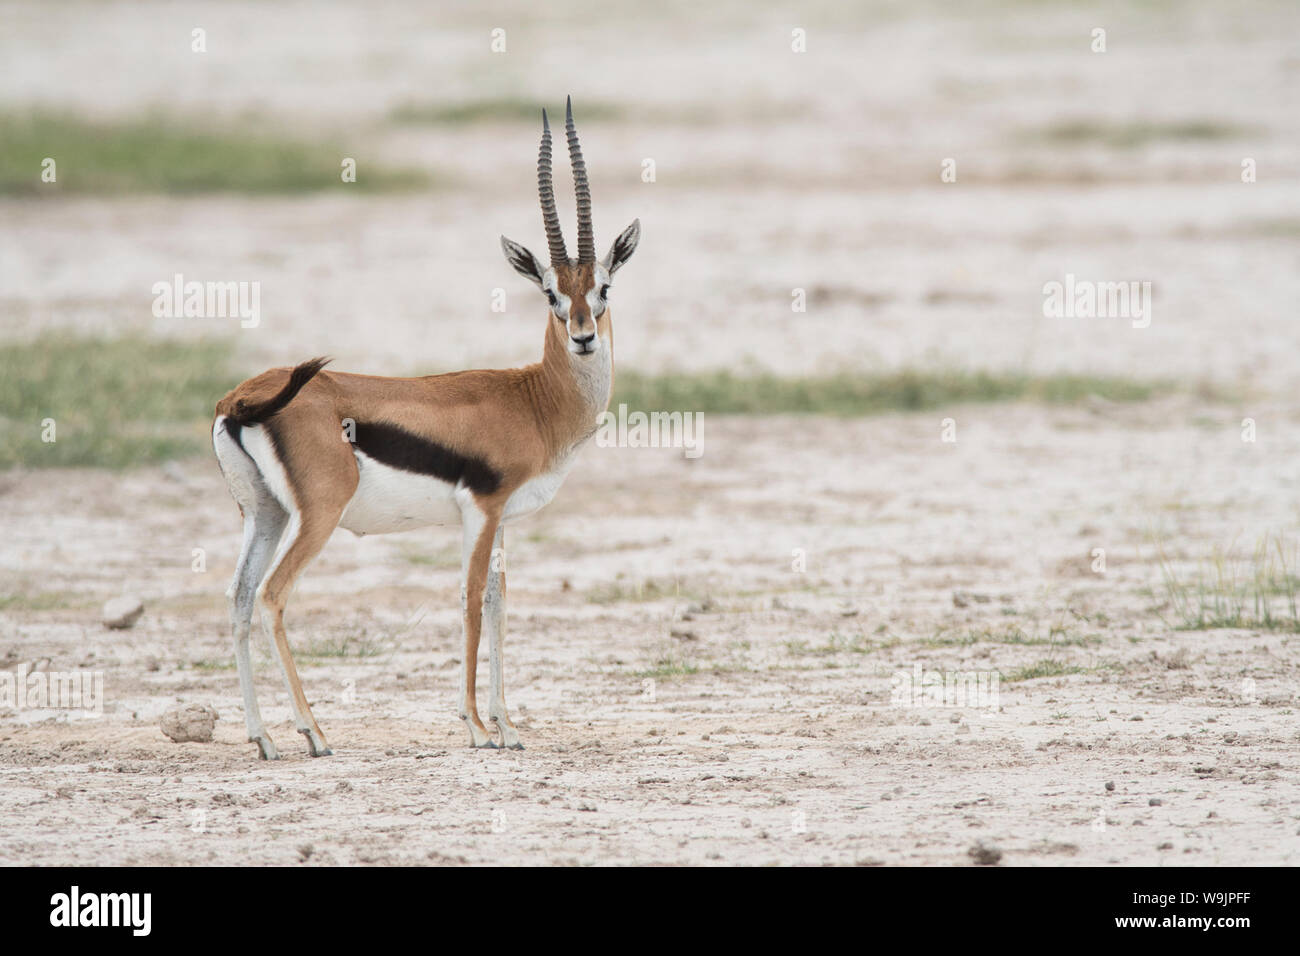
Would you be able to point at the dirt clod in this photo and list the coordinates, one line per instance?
(984, 855)
(191, 723)
(120, 613)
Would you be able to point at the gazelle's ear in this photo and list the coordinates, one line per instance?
(524, 262)
(623, 247)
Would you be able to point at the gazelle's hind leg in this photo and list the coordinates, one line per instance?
(315, 494)
(262, 531)
(307, 534)
(494, 623)
(264, 521)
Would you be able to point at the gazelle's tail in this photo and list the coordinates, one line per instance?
(253, 413)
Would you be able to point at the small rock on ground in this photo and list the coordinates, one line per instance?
(984, 855)
(191, 723)
(122, 612)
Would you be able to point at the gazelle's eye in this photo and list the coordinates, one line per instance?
(604, 291)
(550, 297)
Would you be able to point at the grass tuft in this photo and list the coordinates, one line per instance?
(669, 666)
(1044, 668)
(1261, 592)
(348, 646)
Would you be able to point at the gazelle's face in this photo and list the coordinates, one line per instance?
(578, 296)
(577, 292)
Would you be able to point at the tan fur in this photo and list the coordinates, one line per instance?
(518, 420)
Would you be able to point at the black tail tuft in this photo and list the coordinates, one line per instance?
(254, 413)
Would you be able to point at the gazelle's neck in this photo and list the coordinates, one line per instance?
(576, 388)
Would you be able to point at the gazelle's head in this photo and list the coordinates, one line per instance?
(577, 290)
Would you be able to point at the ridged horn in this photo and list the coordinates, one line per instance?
(581, 189)
(546, 192)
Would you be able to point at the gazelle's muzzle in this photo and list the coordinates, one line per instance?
(582, 334)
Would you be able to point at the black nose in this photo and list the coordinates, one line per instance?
(584, 340)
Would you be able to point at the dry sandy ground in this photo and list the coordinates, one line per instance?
(783, 745)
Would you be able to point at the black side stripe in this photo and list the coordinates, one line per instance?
(398, 448)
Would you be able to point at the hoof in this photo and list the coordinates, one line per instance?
(316, 745)
(265, 749)
(479, 738)
(509, 736)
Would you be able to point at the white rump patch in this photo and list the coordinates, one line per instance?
(259, 448)
(240, 473)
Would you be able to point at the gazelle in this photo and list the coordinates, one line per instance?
(305, 451)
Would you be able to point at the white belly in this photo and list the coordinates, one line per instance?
(533, 495)
(389, 499)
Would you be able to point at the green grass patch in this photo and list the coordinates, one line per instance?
(1273, 228)
(134, 400)
(504, 109)
(156, 155)
(44, 601)
(211, 664)
(1129, 135)
(527, 110)
(1258, 592)
(113, 402)
(848, 394)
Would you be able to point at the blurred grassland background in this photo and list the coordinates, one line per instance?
(135, 400)
(774, 171)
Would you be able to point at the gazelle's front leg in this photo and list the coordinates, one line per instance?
(479, 531)
(494, 622)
